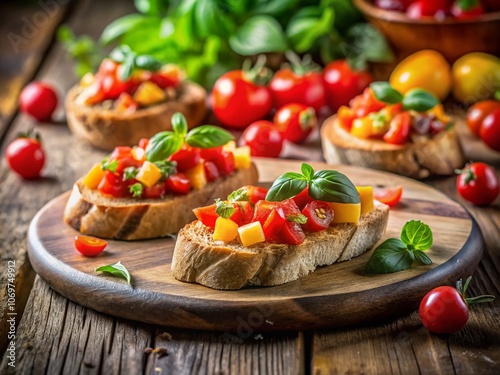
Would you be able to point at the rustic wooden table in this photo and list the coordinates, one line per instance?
(57, 336)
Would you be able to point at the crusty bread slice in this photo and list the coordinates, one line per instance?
(199, 259)
(93, 213)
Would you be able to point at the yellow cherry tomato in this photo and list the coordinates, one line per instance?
(426, 69)
(476, 76)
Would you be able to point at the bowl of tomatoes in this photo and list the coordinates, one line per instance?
(452, 27)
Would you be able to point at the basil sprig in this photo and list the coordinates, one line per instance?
(129, 61)
(224, 209)
(117, 270)
(324, 185)
(166, 143)
(239, 196)
(416, 99)
(396, 254)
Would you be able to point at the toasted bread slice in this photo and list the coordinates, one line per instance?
(441, 155)
(93, 213)
(199, 259)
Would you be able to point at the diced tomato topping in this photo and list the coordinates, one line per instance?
(319, 216)
(274, 224)
(225, 163)
(108, 67)
(302, 198)
(255, 193)
(206, 215)
(113, 185)
(143, 143)
(263, 209)
(346, 116)
(186, 158)
(243, 213)
(125, 103)
(366, 103)
(177, 183)
(211, 171)
(164, 80)
(153, 192)
(399, 130)
(292, 233)
(210, 153)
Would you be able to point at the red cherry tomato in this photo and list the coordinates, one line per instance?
(237, 101)
(263, 138)
(472, 11)
(295, 121)
(319, 216)
(39, 100)
(388, 195)
(478, 184)
(289, 87)
(292, 233)
(489, 131)
(428, 8)
(26, 157)
(443, 310)
(399, 130)
(177, 183)
(342, 83)
(186, 158)
(89, 246)
(478, 112)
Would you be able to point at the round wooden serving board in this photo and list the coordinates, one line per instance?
(332, 296)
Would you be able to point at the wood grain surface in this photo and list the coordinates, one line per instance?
(301, 304)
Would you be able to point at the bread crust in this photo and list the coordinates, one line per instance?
(441, 155)
(107, 128)
(199, 259)
(93, 213)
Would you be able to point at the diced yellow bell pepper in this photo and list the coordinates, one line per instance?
(251, 233)
(438, 111)
(366, 197)
(138, 153)
(345, 212)
(148, 94)
(362, 127)
(87, 80)
(94, 176)
(229, 146)
(197, 176)
(225, 230)
(242, 157)
(149, 174)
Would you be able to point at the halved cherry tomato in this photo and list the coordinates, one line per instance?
(399, 130)
(177, 183)
(388, 195)
(89, 246)
(186, 158)
(225, 163)
(302, 198)
(274, 224)
(292, 233)
(319, 216)
(211, 171)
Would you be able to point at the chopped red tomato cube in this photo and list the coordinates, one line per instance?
(211, 171)
(225, 163)
(177, 183)
(292, 233)
(206, 215)
(186, 158)
(274, 224)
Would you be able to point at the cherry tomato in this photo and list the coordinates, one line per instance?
(478, 184)
(426, 8)
(473, 10)
(89, 246)
(295, 121)
(26, 157)
(255, 193)
(225, 163)
(39, 100)
(489, 130)
(274, 224)
(477, 113)
(177, 183)
(186, 158)
(399, 130)
(211, 171)
(263, 138)
(289, 87)
(302, 198)
(292, 233)
(319, 216)
(342, 83)
(388, 195)
(237, 101)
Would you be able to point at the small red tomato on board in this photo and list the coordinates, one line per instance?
(39, 100)
(478, 184)
(446, 309)
(240, 97)
(388, 195)
(263, 138)
(468, 9)
(342, 83)
(89, 246)
(478, 112)
(489, 131)
(399, 129)
(319, 216)
(26, 157)
(295, 121)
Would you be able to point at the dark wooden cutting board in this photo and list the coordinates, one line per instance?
(332, 296)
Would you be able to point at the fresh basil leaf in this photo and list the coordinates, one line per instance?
(364, 43)
(305, 27)
(307, 171)
(416, 235)
(127, 67)
(136, 189)
(299, 218)
(384, 92)
(286, 186)
(390, 256)
(333, 186)
(259, 34)
(121, 26)
(207, 136)
(272, 7)
(117, 269)
(224, 209)
(109, 165)
(179, 123)
(162, 145)
(130, 173)
(166, 167)
(120, 53)
(148, 63)
(419, 100)
(238, 196)
(422, 257)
